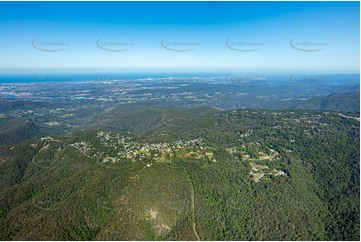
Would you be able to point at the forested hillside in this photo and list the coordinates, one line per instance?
(151, 174)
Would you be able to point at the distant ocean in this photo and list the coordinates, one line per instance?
(79, 77)
(320, 79)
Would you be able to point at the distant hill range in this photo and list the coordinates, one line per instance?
(345, 102)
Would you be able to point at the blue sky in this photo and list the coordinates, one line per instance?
(181, 36)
